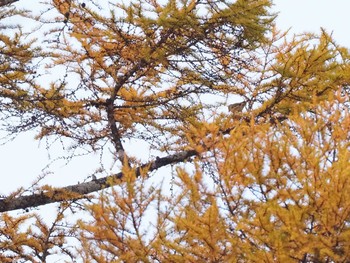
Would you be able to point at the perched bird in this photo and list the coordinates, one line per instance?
(236, 108)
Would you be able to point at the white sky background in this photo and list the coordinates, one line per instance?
(310, 15)
(23, 159)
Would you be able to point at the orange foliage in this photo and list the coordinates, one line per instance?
(269, 184)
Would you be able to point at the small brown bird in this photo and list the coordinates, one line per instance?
(236, 108)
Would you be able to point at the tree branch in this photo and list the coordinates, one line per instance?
(6, 2)
(120, 152)
(78, 191)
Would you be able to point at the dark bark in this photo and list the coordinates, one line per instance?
(80, 190)
(115, 135)
(6, 2)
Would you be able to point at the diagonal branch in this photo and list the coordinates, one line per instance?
(79, 191)
(114, 132)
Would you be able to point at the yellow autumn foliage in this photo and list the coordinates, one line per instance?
(269, 184)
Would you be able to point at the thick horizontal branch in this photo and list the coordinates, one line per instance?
(78, 191)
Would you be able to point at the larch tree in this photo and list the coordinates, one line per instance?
(266, 180)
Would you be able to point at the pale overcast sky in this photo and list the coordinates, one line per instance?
(22, 161)
(310, 15)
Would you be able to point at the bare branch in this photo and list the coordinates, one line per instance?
(78, 191)
(116, 138)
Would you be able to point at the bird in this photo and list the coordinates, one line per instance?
(236, 108)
